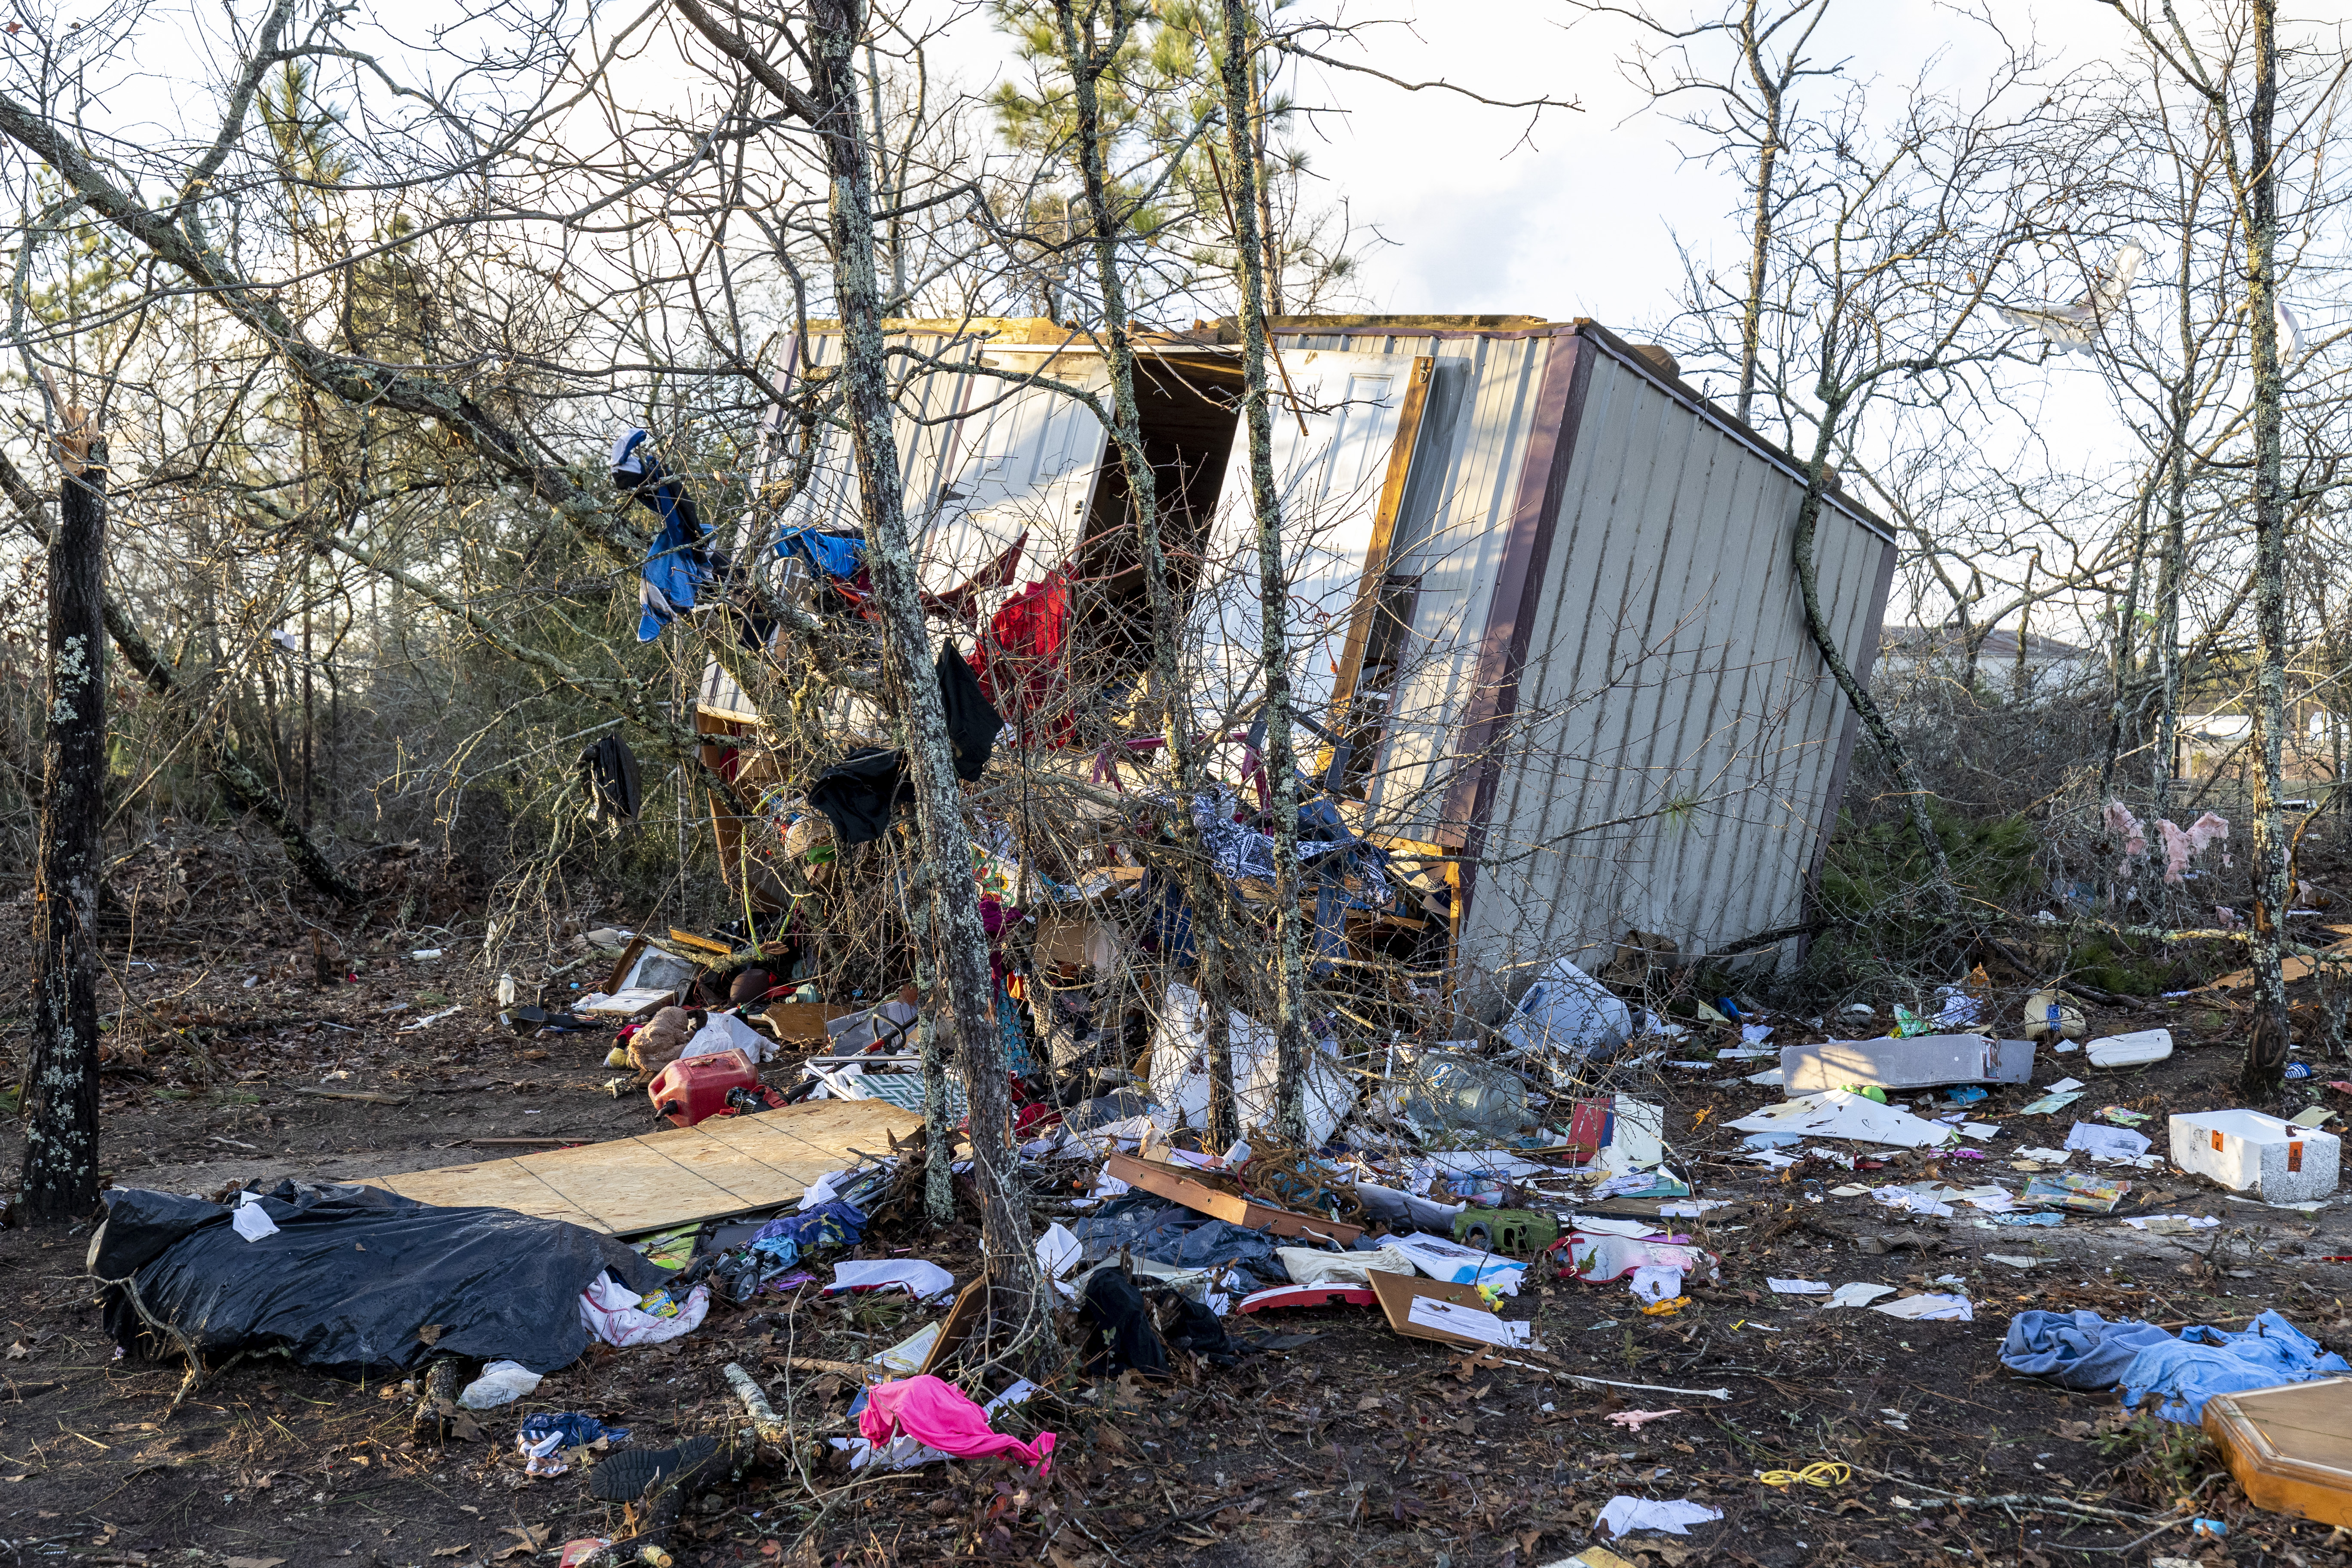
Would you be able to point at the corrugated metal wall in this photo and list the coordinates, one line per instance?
(1452, 527)
(1677, 737)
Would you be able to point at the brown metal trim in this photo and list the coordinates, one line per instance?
(1549, 330)
(1518, 589)
(1862, 667)
(1376, 552)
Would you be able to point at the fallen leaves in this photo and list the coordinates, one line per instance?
(529, 1541)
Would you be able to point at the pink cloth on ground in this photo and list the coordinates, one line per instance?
(939, 1416)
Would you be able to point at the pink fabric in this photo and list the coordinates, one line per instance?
(2125, 826)
(939, 1416)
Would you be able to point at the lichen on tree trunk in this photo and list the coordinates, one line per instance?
(2266, 1045)
(1018, 1313)
(1274, 587)
(60, 1102)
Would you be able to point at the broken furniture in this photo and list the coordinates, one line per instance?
(2289, 1448)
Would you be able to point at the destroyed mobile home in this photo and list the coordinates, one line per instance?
(1546, 617)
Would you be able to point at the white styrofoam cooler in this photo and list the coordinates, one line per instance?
(2250, 1153)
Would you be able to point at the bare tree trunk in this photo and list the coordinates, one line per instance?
(2172, 556)
(1016, 1308)
(2266, 1044)
(1898, 761)
(59, 1184)
(1751, 312)
(1086, 59)
(1274, 587)
(2119, 670)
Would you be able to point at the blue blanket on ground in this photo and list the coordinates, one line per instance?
(2084, 1350)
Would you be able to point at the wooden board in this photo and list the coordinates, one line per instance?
(1204, 1192)
(2289, 1448)
(2299, 967)
(970, 1307)
(656, 1180)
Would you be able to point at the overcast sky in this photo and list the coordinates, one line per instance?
(1579, 215)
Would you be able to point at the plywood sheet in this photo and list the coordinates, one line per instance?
(658, 1180)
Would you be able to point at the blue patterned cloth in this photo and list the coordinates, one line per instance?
(676, 565)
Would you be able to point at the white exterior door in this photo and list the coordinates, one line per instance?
(1335, 427)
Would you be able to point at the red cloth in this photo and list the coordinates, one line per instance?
(1020, 663)
(939, 1416)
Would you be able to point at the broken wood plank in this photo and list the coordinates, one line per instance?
(365, 1096)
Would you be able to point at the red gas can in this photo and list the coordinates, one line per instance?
(693, 1088)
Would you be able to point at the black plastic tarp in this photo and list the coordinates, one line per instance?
(351, 1276)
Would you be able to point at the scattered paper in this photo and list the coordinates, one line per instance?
(907, 1356)
(1058, 1251)
(2013, 1259)
(249, 1221)
(2045, 1156)
(1841, 1114)
(1470, 1322)
(1798, 1287)
(1911, 1201)
(1931, 1309)
(1771, 1077)
(2083, 1193)
(2316, 1116)
(1850, 1190)
(1442, 1258)
(1626, 1514)
(2095, 1139)
(1655, 1283)
(2170, 1223)
(2050, 1104)
(1857, 1295)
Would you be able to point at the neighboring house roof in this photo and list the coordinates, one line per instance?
(2000, 646)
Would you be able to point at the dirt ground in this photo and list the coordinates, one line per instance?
(1357, 1448)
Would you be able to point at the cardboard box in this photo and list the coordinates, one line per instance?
(1061, 943)
(1923, 1061)
(802, 1023)
(2248, 1152)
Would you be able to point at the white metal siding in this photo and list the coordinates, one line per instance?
(1677, 732)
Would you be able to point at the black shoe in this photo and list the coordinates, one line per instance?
(628, 1476)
